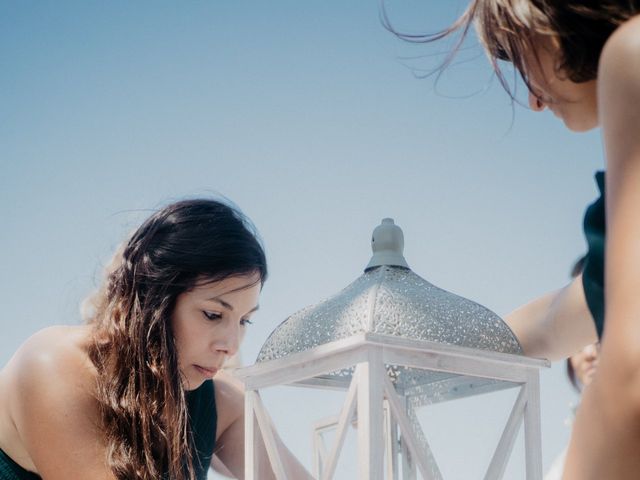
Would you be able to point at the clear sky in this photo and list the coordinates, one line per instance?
(312, 118)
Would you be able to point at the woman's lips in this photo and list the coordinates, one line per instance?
(206, 372)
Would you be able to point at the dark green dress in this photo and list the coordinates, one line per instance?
(201, 404)
(593, 273)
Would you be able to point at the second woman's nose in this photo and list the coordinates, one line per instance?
(591, 351)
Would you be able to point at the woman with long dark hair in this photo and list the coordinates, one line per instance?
(130, 395)
(581, 60)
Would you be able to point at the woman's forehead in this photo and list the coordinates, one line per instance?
(229, 285)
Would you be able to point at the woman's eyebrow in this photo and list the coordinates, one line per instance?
(228, 306)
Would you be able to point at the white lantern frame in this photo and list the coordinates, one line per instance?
(370, 388)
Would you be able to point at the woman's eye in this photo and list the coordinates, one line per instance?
(212, 315)
(245, 321)
(501, 54)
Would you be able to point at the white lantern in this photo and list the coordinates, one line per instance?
(394, 342)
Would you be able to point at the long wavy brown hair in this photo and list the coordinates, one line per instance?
(508, 29)
(143, 409)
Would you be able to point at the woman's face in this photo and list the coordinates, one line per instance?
(208, 323)
(584, 363)
(574, 103)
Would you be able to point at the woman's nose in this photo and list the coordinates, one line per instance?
(535, 103)
(229, 341)
(591, 351)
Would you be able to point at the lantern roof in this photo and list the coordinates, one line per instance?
(390, 299)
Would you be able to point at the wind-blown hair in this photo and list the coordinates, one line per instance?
(509, 29)
(143, 411)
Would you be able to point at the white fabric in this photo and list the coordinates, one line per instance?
(555, 472)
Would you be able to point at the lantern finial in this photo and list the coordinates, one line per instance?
(387, 243)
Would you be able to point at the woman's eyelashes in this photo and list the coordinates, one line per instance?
(217, 316)
(211, 315)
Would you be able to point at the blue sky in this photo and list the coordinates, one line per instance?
(310, 117)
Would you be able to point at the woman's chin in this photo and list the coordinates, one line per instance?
(581, 124)
(192, 385)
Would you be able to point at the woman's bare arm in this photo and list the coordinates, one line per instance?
(606, 437)
(556, 325)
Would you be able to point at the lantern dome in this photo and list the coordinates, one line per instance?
(390, 299)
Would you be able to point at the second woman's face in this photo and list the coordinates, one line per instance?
(574, 103)
(208, 323)
(584, 363)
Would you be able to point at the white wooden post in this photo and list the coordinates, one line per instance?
(370, 417)
(409, 471)
(408, 465)
(507, 440)
(266, 433)
(250, 437)
(329, 467)
(421, 453)
(532, 433)
(391, 442)
(318, 453)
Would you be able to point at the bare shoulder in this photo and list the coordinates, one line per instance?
(229, 400)
(52, 359)
(52, 404)
(49, 371)
(621, 53)
(618, 97)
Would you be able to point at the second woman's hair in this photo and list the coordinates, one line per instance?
(512, 29)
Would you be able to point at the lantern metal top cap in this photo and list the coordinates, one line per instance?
(387, 243)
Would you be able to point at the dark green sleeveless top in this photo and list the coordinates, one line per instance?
(593, 273)
(201, 404)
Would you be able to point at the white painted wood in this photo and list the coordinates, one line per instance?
(309, 365)
(370, 352)
(457, 364)
(319, 450)
(532, 432)
(320, 453)
(370, 417)
(303, 365)
(390, 341)
(455, 388)
(503, 451)
(420, 453)
(323, 452)
(269, 439)
(317, 444)
(326, 423)
(329, 467)
(250, 437)
(324, 383)
(391, 443)
(408, 465)
(321, 351)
